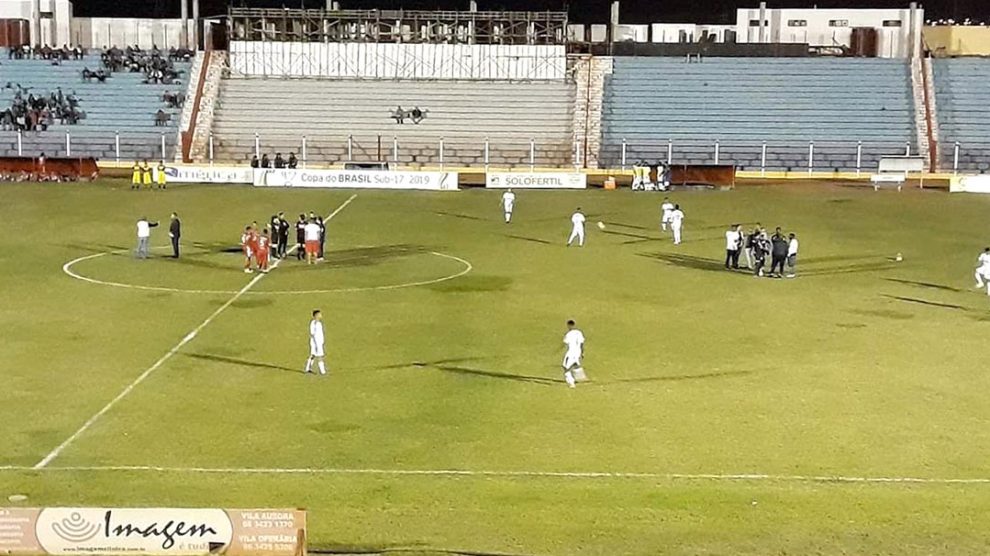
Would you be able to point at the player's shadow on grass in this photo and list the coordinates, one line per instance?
(849, 269)
(457, 215)
(368, 256)
(918, 301)
(483, 373)
(678, 378)
(240, 362)
(923, 284)
(532, 239)
(687, 261)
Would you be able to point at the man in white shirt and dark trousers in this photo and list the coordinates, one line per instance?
(574, 340)
(792, 251)
(577, 228)
(144, 236)
(733, 241)
(508, 203)
(316, 352)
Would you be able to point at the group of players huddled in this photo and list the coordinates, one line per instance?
(260, 245)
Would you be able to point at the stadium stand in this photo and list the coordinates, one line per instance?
(742, 102)
(464, 113)
(963, 101)
(121, 104)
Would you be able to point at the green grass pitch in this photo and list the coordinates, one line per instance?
(862, 367)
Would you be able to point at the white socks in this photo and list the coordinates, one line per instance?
(569, 378)
(309, 364)
(979, 279)
(508, 217)
(579, 374)
(323, 367)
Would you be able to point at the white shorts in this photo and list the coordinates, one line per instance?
(984, 271)
(315, 350)
(571, 360)
(666, 218)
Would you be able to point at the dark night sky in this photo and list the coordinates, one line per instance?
(582, 11)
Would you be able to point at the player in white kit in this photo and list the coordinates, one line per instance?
(574, 340)
(666, 208)
(316, 343)
(577, 228)
(676, 222)
(983, 271)
(508, 203)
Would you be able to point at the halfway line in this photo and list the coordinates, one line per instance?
(185, 340)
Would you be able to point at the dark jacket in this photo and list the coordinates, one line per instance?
(779, 243)
(175, 228)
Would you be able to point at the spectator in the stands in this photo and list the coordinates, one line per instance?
(293, 162)
(279, 161)
(265, 162)
(161, 118)
(254, 162)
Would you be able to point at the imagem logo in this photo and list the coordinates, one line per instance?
(75, 528)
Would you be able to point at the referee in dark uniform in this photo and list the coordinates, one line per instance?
(174, 233)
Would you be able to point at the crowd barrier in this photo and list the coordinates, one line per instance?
(969, 184)
(357, 179)
(73, 168)
(536, 180)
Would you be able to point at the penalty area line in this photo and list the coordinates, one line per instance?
(168, 355)
(712, 477)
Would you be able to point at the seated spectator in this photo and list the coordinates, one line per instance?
(292, 161)
(417, 115)
(279, 161)
(254, 162)
(161, 118)
(265, 163)
(399, 115)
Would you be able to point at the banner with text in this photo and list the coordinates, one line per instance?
(536, 180)
(970, 184)
(209, 174)
(357, 179)
(152, 531)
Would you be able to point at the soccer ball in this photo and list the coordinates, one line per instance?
(899, 257)
(601, 225)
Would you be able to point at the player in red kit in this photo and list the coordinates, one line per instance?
(247, 242)
(264, 250)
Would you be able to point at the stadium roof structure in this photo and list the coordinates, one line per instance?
(398, 26)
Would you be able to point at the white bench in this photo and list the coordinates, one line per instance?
(894, 170)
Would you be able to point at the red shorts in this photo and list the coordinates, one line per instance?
(312, 247)
(263, 257)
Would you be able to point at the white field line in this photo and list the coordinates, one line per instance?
(67, 268)
(161, 361)
(715, 477)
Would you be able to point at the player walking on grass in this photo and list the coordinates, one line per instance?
(676, 223)
(577, 228)
(247, 243)
(316, 344)
(983, 271)
(666, 209)
(792, 252)
(573, 352)
(508, 203)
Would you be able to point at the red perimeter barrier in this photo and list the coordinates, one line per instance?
(709, 174)
(73, 168)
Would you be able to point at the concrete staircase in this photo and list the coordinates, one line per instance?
(589, 76)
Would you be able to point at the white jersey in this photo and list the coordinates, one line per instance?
(732, 240)
(312, 231)
(792, 247)
(508, 200)
(984, 260)
(143, 229)
(676, 218)
(667, 208)
(316, 337)
(577, 219)
(574, 340)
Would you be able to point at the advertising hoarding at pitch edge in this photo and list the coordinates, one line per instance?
(357, 179)
(536, 180)
(152, 531)
(208, 174)
(969, 184)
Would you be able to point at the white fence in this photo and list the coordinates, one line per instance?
(98, 32)
(397, 61)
